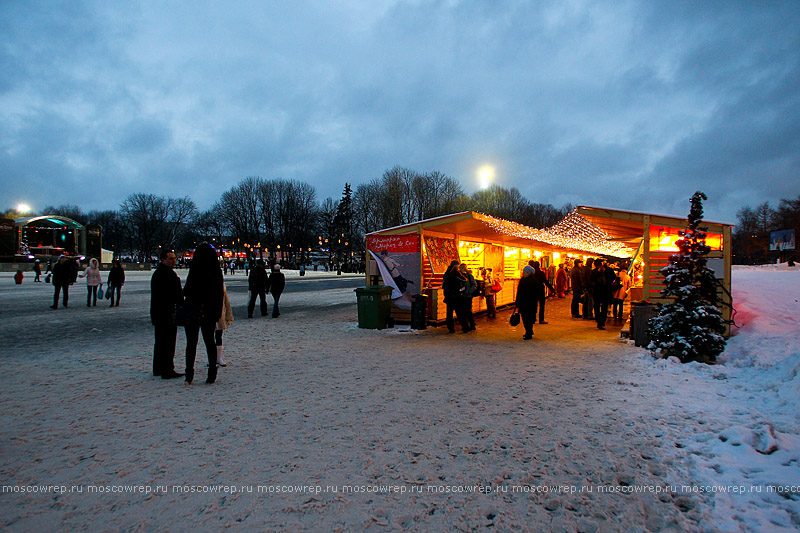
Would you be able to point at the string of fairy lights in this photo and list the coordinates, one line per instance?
(574, 232)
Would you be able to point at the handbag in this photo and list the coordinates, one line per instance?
(497, 287)
(187, 315)
(100, 292)
(514, 320)
(108, 292)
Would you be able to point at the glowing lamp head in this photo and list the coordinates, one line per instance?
(23, 207)
(485, 176)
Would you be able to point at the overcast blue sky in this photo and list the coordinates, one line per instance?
(630, 104)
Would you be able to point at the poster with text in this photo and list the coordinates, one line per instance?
(398, 260)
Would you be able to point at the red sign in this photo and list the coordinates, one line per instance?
(394, 243)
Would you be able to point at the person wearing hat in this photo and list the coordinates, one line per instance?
(527, 300)
(62, 277)
(453, 286)
(277, 282)
(37, 269)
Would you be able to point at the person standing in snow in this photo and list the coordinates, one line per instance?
(223, 323)
(116, 279)
(577, 288)
(277, 282)
(602, 278)
(165, 295)
(453, 286)
(621, 286)
(258, 283)
(466, 297)
(527, 301)
(561, 281)
(203, 291)
(62, 277)
(93, 280)
(37, 269)
(541, 278)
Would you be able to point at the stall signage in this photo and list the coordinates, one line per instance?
(394, 243)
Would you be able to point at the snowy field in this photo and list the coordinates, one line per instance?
(319, 425)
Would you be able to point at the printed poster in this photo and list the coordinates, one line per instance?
(441, 252)
(398, 259)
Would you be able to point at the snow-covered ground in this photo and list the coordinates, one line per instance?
(319, 425)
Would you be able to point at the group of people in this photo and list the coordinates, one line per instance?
(595, 286)
(65, 273)
(201, 307)
(460, 287)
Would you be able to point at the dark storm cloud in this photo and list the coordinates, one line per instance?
(628, 104)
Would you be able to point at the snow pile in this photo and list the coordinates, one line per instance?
(759, 449)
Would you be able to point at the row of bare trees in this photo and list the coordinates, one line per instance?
(285, 215)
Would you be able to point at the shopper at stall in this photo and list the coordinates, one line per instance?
(561, 281)
(258, 283)
(203, 292)
(466, 297)
(165, 295)
(586, 280)
(541, 277)
(453, 285)
(62, 277)
(277, 282)
(576, 277)
(527, 300)
(93, 280)
(116, 279)
(621, 286)
(489, 291)
(602, 278)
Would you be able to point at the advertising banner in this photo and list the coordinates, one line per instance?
(398, 259)
(781, 240)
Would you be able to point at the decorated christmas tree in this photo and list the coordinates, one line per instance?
(690, 328)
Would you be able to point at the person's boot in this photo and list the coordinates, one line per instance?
(189, 376)
(212, 374)
(220, 360)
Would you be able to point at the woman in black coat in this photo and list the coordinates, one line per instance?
(203, 292)
(528, 299)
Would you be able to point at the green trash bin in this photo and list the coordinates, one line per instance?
(374, 306)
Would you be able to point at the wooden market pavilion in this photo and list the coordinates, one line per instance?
(646, 240)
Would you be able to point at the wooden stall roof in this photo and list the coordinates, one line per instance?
(626, 226)
(471, 225)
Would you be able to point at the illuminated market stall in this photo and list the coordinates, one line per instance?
(413, 257)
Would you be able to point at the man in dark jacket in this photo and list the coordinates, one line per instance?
(602, 278)
(259, 285)
(542, 282)
(165, 294)
(62, 277)
(577, 288)
(453, 286)
(277, 282)
(528, 299)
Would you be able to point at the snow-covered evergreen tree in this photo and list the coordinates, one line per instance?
(690, 328)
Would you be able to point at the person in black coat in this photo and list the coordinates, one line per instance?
(203, 292)
(453, 286)
(62, 277)
(588, 293)
(277, 282)
(165, 295)
(466, 298)
(528, 299)
(542, 282)
(577, 288)
(37, 269)
(259, 285)
(602, 278)
(116, 279)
